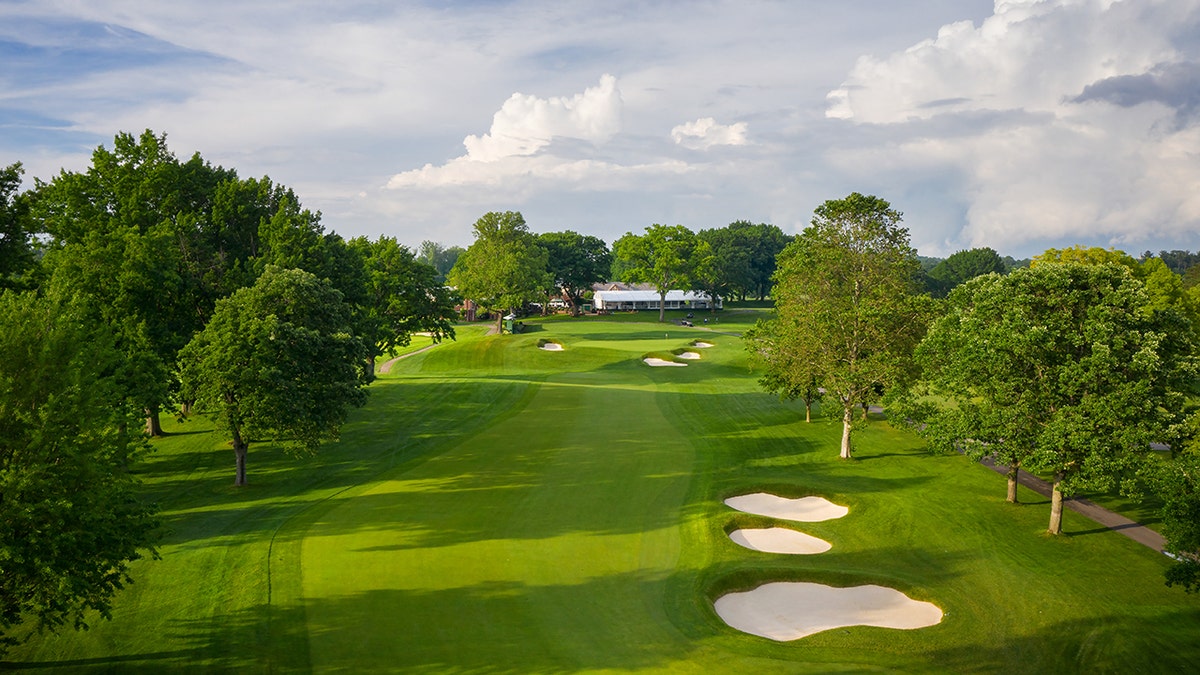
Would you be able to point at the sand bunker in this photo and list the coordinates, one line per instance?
(779, 540)
(701, 345)
(805, 509)
(552, 347)
(791, 610)
(657, 362)
(689, 355)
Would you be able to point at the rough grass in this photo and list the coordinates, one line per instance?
(498, 508)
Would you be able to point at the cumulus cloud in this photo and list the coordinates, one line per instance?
(1064, 119)
(705, 133)
(526, 124)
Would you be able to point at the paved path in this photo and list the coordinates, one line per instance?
(387, 365)
(1113, 521)
(1087, 508)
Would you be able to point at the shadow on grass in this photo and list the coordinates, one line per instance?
(489, 627)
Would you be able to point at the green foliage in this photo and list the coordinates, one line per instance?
(504, 268)
(1056, 368)
(791, 364)
(664, 256)
(16, 241)
(71, 521)
(576, 261)
(846, 287)
(763, 244)
(403, 297)
(963, 266)
(439, 257)
(1178, 485)
(278, 360)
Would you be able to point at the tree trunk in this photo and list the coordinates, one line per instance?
(866, 407)
(239, 454)
(1056, 505)
(499, 322)
(1013, 474)
(807, 410)
(153, 423)
(847, 421)
(371, 364)
(185, 408)
(662, 306)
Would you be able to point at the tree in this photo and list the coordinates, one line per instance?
(1060, 368)
(504, 268)
(576, 261)
(963, 266)
(847, 287)
(792, 365)
(723, 263)
(664, 257)
(765, 243)
(403, 297)
(16, 245)
(278, 360)
(1178, 485)
(441, 258)
(71, 521)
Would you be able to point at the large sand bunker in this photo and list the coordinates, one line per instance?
(779, 540)
(552, 347)
(791, 610)
(689, 355)
(702, 345)
(657, 362)
(805, 509)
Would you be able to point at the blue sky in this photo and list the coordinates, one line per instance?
(1015, 124)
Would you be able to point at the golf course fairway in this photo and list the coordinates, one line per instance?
(500, 508)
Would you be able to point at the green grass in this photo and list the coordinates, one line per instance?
(501, 508)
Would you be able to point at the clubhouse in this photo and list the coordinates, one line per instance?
(633, 300)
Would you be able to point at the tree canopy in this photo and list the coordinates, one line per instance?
(1059, 368)
(16, 230)
(71, 520)
(664, 256)
(278, 360)
(847, 288)
(576, 261)
(963, 266)
(504, 268)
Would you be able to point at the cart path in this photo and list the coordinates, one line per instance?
(1113, 521)
(387, 365)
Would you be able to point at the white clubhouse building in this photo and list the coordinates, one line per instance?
(632, 300)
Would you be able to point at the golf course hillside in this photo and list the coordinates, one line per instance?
(502, 506)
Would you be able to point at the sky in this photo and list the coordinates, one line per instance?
(1015, 124)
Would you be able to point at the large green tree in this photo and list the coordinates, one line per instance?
(847, 287)
(764, 243)
(664, 256)
(403, 297)
(791, 361)
(439, 257)
(576, 261)
(278, 360)
(962, 266)
(1060, 368)
(16, 241)
(504, 268)
(70, 517)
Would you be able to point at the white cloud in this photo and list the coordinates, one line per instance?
(1002, 107)
(526, 124)
(705, 133)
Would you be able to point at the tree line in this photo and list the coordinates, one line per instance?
(1074, 367)
(146, 284)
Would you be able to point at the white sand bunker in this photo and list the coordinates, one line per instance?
(552, 347)
(657, 362)
(805, 509)
(791, 610)
(702, 345)
(779, 540)
(689, 355)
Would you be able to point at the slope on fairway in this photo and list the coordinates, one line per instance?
(542, 543)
